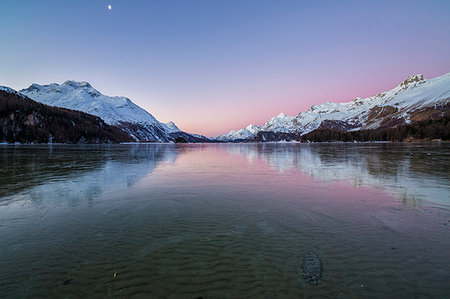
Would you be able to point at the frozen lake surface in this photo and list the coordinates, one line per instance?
(224, 220)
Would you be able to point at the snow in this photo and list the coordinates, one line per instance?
(7, 89)
(201, 136)
(250, 131)
(280, 123)
(82, 96)
(171, 127)
(412, 94)
(10, 90)
(140, 124)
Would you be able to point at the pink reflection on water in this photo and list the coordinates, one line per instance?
(254, 181)
(224, 167)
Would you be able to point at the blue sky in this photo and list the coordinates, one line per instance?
(213, 66)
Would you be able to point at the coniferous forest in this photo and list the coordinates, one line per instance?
(429, 129)
(26, 121)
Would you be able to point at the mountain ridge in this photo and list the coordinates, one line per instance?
(114, 110)
(26, 121)
(415, 99)
(386, 109)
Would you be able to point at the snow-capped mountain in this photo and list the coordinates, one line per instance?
(241, 134)
(405, 103)
(118, 111)
(82, 96)
(7, 89)
(280, 123)
(10, 90)
(26, 121)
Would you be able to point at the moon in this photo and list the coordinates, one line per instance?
(109, 7)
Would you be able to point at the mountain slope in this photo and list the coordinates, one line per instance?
(26, 121)
(118, 111)
(414, 99)
(241, 134)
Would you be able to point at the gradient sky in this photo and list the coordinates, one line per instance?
(214, 66)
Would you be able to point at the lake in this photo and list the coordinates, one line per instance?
(224, 220)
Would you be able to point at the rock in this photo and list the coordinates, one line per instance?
(66, 282)
(312, 267)
(180, 140)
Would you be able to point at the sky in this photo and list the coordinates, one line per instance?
(216, 66)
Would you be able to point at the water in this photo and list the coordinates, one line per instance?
(224, 220)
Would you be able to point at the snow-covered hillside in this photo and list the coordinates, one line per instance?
(119, 111)
(172, 127)
(10, 90)
(241, 134)
(23, 120)
(395, 107)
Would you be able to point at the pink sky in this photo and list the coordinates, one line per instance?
(233, 111)
(215, 66)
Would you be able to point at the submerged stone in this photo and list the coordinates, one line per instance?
(312, 267)
(67, 281)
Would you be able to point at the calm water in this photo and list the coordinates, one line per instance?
(226, 220)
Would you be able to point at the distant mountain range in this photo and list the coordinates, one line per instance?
(117, 111)
(415, 99)
(416, 108)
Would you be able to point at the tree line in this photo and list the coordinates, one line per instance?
(26, 121)
(420, 130)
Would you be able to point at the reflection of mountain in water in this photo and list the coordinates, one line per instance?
(78, 171)
(414, 172)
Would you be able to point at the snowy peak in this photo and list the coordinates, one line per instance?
(386, 109)
(410, 82)
(85, 86)
(412, 79)
(11, 91)
(75, 84)
(245, 133)
(82, 96)
(279, 123)
(118, 111)
(253, 128)
(7, 89)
